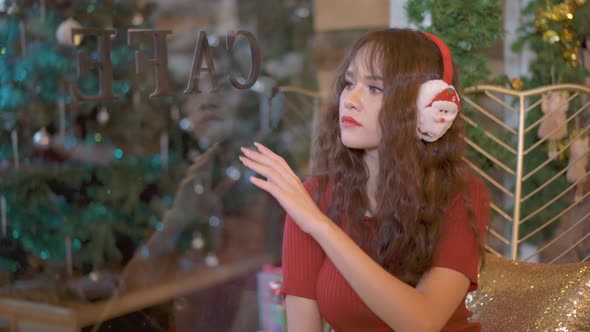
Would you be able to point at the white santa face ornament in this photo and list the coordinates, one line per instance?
(438, 102)
(438, 106)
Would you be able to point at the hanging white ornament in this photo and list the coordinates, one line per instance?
(214, 221)
(103, 116)
(553, 127)
(186, 124)
(211, 260)
(199, 188)
(233, 173)
(94, 276)
(137, 19)
(578, 163)
(64, 33)
(198, 242)
(41, 138)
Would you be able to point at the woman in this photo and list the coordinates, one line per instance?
(387, 234)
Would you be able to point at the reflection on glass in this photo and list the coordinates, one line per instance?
(135, 209)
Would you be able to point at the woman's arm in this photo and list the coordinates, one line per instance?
(303, 315)
(403, 308)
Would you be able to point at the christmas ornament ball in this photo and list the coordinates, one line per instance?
(103, 116)
(211, 260)
(64, 33)
(198, 242)
(516, 83)
(41, 138)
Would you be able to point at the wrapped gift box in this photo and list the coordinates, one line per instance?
(270, 300)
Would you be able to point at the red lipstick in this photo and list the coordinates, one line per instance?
(348, 121)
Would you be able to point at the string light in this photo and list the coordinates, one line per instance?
(555, 23)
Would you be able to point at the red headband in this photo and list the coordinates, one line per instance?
(446, 57)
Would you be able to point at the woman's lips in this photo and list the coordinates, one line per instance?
(348, 121)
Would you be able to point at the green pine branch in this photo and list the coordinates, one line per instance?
(466, 27)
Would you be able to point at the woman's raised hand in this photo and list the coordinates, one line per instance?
(284, 185)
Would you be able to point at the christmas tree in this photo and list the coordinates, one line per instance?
(467, 27)
(99, 181)
(81, 178)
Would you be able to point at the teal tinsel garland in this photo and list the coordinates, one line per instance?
(90, 205)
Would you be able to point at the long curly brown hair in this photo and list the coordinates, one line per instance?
(416, 180)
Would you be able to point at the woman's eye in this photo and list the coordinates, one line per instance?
(348, 85)
(375, 90)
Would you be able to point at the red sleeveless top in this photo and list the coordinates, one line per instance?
(307, 272)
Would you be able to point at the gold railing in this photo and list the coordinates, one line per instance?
(505, 120)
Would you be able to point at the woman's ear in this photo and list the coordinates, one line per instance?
(438, 105)
(438, 101)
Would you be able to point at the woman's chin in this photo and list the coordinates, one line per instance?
(355, 144)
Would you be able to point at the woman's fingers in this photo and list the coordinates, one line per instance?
(261, 156)
(282, 183)
(267, 172)
(268, 158)
(275, 157)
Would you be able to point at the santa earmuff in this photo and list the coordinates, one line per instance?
(438, 102)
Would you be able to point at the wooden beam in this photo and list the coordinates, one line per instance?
(350, 14)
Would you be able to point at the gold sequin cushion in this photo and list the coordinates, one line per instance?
(517, 296)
